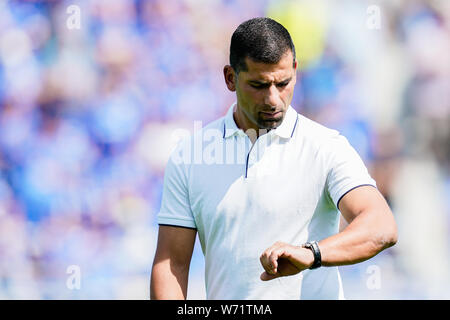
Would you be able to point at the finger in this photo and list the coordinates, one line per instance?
(267, 276)
(265, 262)
(264, 259)
(277, 254)
(270, 265)
(274, 246)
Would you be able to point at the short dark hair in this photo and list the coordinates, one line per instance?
(260, 39)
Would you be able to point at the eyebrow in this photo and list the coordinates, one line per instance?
(258, 82)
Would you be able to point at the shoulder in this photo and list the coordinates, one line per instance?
(189, 142)
(316, 134)
(212, 129)
(215, 128)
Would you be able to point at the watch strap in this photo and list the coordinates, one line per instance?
(314, 247)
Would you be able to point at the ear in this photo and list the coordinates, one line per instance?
(230, 77)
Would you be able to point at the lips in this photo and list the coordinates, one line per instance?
(271, 115)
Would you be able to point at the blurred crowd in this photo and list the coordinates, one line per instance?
(87, 117)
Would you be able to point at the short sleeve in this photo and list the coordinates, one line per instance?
(346, 169)
(175, 206)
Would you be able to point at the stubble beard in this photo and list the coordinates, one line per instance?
(269, 124)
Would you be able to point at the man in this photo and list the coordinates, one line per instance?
(269, 184)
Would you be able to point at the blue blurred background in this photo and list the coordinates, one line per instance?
(87, 117)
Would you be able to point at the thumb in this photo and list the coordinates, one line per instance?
(267, 276)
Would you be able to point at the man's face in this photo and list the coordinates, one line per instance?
(264, 93)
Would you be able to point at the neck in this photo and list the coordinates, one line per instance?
(252, 131)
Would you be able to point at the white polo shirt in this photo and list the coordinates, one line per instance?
(243, 198)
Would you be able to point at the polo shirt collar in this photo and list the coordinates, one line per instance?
(287, 127)
(229, 126)
(284, 130)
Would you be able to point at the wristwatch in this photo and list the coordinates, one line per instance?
(314, 247)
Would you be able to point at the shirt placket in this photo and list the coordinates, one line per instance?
(255, 153)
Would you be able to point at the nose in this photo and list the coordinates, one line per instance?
(272, 97)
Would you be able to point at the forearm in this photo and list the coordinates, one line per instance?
(168, 282)
(371, 229)
(367, 235)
